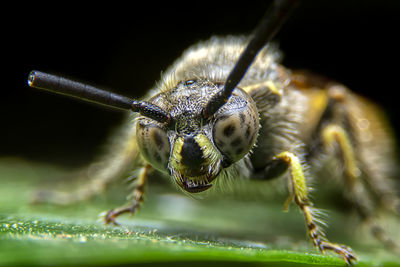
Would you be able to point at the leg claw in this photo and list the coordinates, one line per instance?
(111, 217)
(344, 251)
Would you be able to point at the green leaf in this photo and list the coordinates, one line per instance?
(171, 229)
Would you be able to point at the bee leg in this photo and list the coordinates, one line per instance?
(137, 198)
(100, 175)
(360, 197)
(94, 187)
(299, 193)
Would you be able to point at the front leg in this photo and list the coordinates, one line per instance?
(137, 198)
(299, 193)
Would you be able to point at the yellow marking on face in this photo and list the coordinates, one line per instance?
(176, 157)
(212, 157)
(209, 151)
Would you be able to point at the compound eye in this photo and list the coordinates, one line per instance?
(153, 144)
(235, 132)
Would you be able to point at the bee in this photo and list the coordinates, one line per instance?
(228, 109)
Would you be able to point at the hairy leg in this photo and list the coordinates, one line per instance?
(358, 194)
(121, 158)
(299, 193)
(137, 198)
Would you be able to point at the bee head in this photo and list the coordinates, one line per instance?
(196, 129)
(195, 149)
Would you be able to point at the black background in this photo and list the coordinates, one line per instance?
(125, 47)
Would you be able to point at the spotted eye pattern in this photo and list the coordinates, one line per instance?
(154, 145)
(235, 131)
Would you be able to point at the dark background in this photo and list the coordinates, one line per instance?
(126, 47)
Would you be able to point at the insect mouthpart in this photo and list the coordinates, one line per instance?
(194, 184)
(194, 162)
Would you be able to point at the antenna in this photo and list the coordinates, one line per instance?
(60, 85)
(265, 31)
(269, 26)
